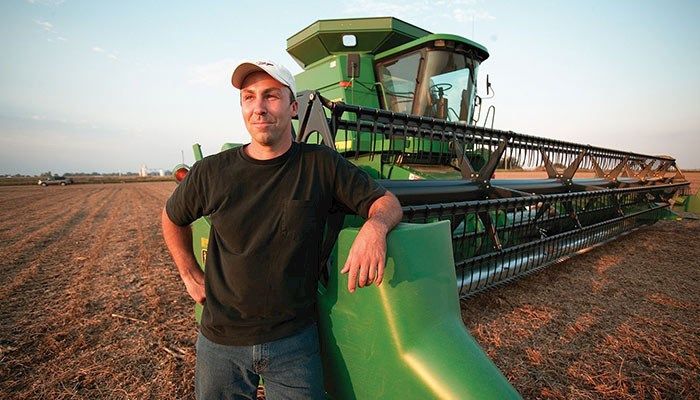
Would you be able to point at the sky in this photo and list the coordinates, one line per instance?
(110, 86)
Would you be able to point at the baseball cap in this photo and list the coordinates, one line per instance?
(276, 71)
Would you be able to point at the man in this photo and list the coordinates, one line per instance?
(268, 202)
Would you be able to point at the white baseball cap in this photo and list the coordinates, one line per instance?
(276, 71)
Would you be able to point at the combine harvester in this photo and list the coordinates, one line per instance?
(402, 104)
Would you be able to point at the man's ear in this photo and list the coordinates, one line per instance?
(295, 108)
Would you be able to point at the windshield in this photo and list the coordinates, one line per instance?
(444, 89)
(447, 86)
(398, 78)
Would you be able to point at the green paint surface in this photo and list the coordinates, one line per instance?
(405, 338)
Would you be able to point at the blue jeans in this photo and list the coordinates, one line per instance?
(291, 368)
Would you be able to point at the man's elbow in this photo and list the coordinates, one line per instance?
(396, 206)
(165, 218)
(389, 208)
(167, 224)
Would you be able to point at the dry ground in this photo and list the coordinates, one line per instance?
(91, 307)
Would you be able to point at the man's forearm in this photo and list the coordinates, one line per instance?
(179, 242)
(385, 213)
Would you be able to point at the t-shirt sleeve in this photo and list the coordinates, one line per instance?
(354, 187)
(187, 203)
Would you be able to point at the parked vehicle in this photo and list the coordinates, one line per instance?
(55, 180)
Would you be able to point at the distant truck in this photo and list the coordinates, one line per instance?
(56, 180)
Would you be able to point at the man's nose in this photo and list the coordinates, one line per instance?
(259, 106)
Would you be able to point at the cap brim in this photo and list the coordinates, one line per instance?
(242, 71)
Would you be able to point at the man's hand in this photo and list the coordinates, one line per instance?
(367, 256)
(195, 287)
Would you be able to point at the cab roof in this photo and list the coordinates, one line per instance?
(380, 36)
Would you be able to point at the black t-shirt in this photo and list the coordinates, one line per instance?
(267, 222)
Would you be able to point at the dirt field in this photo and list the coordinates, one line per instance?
(92, 307)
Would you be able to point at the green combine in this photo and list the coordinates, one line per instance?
(401, 103)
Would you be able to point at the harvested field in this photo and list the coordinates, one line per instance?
(93, 308)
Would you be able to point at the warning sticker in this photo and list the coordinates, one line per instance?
(204, 243)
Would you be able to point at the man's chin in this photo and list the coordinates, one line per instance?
(265, 138)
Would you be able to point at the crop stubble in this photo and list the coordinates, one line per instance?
(92, 307)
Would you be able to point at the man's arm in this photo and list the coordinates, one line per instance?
(367, 256)
(179, 242)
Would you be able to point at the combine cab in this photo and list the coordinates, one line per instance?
(401, 103)
(389, 64)
(385, 63)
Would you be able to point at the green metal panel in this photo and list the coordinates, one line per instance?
(420, 43)
(200, 242)
(692, 203)
(326, 75)
(411, 172)
(324, 38)
(197, 151)
(685, 204)
(345, 143)
(404, 339)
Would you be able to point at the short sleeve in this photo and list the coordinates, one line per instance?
(186, 204)
(354, 187)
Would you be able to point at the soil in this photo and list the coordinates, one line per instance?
(92, 307)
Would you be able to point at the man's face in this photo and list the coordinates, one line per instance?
(267, 109)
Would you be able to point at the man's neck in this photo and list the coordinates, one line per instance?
(259, 152)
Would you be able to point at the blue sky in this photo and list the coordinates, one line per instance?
(108, 86)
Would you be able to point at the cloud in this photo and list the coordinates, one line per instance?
(112, 54)
(53, 36)
(212, 74)
(454, 3)
(416, 10)
(47, 2)
(467, 15)
(56, 39)
(47, 26)
(405, 9)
